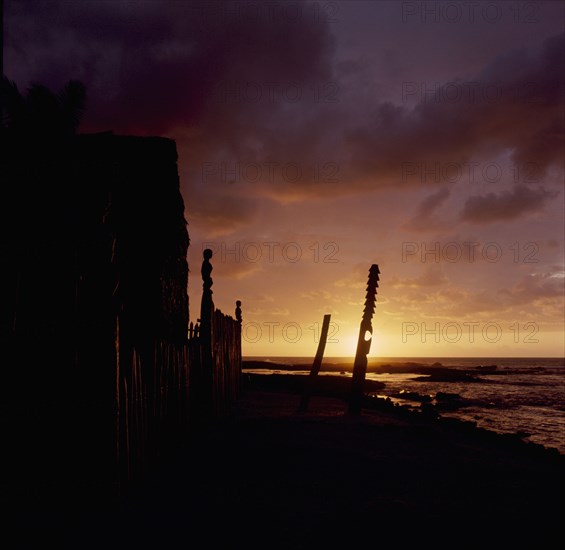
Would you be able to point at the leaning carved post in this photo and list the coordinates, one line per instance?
(363, 343)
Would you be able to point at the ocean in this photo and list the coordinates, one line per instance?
(506, 395)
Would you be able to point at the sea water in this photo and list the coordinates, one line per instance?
(522, 395)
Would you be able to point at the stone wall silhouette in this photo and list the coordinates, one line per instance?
(95, 242)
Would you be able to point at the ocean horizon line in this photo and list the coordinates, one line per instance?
(555, 357)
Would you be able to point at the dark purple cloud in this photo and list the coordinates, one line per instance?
(425, 217)
(220, 77)
(507, 205)
(154, 66)
(276, 86)
(515, 104)
(537, 286)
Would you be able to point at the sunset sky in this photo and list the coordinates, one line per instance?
(318, 138)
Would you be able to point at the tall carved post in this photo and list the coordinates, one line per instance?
(206, 336)
(207, 305)
(237, 359)
(364, 342)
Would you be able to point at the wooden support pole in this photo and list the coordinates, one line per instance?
(364, 343)
(310, 381)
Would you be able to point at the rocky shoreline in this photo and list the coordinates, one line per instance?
(271, 476)
(428, 411)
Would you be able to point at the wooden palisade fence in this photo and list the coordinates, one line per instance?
(214, 355)
(165, 389)
(102, 372)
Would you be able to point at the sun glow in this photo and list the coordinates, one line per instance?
(346, 347)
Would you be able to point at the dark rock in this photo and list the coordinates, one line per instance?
(487, 367)
(413, 396)
(447, 396)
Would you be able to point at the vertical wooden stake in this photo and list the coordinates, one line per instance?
(309, 383)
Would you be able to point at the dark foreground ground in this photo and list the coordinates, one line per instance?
(273, 478)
